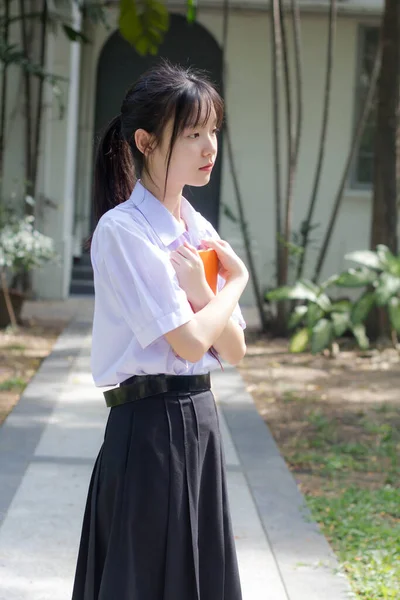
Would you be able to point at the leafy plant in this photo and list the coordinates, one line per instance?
(319, 321)
(380, 274)
(22, 248)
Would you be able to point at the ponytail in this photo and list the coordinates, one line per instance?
(114, 172)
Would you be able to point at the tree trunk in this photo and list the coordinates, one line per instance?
(384, 206)
(4, 89)
(384, 203)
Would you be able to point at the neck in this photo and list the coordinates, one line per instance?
(171, 200)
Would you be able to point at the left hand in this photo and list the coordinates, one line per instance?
(191, 276)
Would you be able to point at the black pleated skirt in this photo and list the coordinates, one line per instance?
(157, 524)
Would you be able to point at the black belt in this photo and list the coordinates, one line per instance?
(143, 386)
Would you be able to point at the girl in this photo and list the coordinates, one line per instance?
(157, 524)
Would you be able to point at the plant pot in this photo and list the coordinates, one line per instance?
(17, 300)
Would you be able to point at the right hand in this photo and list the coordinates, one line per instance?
(231, 264)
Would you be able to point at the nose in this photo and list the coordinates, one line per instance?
(211, 145)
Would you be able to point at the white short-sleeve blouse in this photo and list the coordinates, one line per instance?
(137, 294)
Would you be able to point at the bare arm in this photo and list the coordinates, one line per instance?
(230, 345)
(192, 340)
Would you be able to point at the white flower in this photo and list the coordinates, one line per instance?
(22, 247)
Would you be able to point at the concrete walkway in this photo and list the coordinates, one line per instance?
(47, 449)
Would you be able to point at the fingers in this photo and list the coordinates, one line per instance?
(185, 253)
(174, 260)
(214, 242)
(191, 248)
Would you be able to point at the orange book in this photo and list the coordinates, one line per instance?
(211, 266)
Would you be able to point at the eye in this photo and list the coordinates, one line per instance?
(216, 130)
(193, 136)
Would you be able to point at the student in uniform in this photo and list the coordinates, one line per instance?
(157, 524)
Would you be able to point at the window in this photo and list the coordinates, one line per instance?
(363, 167)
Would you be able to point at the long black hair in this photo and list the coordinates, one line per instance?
(165, 92)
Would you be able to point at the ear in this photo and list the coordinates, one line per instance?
(143, 141)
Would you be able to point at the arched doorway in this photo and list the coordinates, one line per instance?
(119, 65)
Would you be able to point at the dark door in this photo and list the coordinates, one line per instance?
(120, 65)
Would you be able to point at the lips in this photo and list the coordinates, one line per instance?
(207, 167)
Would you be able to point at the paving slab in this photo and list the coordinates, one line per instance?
(48, 445)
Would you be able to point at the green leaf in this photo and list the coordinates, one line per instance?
(340, 322)
(390, 263)
(310, 285)
(297, 316)
(129, 22)
(384, 254)
(341, 306)
(329, 282)
(314, 314)
(361, 336)
(322, 334)
(145, 29)
(278, 294)
(191, 12)
(300, 340)
(393, 266)
(323, 302)
(367, 258)
(320, 298)
(75, 36)
(387, 286)
(394, 313)
(296, 292)
(356, 278)
(362, 307)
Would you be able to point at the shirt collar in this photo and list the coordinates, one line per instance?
(159, 218)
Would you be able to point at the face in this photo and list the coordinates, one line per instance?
(192, 158)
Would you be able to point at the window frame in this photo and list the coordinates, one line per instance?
(354, 182)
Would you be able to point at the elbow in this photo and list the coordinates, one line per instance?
(193, 352)
(187, 343)
(241, 354)
(235, 356)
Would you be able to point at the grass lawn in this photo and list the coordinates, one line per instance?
(337, 424)
(21, 353)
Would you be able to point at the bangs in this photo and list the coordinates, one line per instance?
(190, 106)
(195, 105)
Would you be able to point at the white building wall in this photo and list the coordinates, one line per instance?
(249, 101)
(60, 142)
(249, 104)
(12, 185)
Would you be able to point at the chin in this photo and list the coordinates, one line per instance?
(200, 181)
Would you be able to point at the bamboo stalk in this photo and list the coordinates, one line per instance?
(327, 102)
(39, 107)
(28, 102)
(276, 69)
(291, 167)
(354, 145)
(238, 195)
